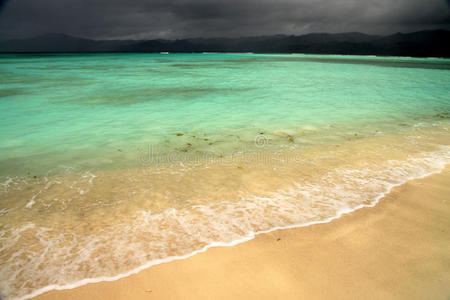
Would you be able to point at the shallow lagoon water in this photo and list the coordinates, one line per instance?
(94, 111)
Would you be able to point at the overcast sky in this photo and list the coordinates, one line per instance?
(139, 19)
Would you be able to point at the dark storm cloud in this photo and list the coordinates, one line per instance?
(189, 18)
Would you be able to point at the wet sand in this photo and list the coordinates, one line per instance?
(399, 249)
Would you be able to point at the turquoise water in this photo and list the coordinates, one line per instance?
(112, 163)
(99, 110)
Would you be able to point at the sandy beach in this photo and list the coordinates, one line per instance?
(147, 175)
(399, 249)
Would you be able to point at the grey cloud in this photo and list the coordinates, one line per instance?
(197, 18)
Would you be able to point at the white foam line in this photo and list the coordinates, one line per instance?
(249, 237)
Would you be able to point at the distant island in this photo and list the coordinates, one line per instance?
(431, 43)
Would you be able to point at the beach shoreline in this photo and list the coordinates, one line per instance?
(397, 249)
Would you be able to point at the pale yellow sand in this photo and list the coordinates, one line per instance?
(399, 249)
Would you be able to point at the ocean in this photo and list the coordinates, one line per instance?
(111, 163)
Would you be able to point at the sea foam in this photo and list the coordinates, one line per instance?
(153, 238)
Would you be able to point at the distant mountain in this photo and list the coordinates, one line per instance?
(435, 43)
(59, 43)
